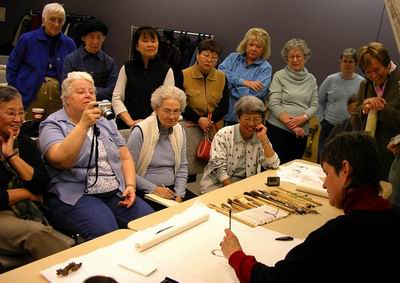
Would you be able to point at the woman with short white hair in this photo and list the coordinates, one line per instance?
(158, 146)
(92, 186)
(35, 65)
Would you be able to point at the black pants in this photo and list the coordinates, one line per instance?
(285, 143)
(326, 129)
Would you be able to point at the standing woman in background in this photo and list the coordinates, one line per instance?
(35, 65)
(139, 77)
(334, 93)
(380, 92)
(247, 70)
(293, 100)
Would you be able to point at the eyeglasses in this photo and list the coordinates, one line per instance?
(169, 112)
(210, 55)
(375, 71)
(297, 57)
(254, 120)
(82, 91)
(13, 114)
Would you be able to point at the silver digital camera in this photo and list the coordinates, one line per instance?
(105, 107)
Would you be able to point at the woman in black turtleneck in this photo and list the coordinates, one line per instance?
(139, 77)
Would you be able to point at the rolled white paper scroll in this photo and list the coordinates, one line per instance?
(170, 231)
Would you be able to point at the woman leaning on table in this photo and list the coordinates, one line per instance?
(84, 198)
(293, 100)
(358, 246)
(237, 151)
(158, 146)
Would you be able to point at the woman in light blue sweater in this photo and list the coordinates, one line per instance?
(293, 100)
(334, 93)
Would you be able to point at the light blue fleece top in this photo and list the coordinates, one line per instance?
(69, 185)
(161, 170)
(294, 93)
(237, 71)
(333, 95)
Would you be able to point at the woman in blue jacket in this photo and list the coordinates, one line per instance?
(35, 65)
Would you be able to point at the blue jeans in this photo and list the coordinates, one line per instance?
(91, 216)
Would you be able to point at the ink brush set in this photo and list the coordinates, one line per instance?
(259, 207)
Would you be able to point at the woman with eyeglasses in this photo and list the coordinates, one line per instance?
(158, 146)
(239, 150)
(248, 70)
(139, 77)
(334, 93)
(23, 179)
(92, 186)
(380, 93)
(293, 100)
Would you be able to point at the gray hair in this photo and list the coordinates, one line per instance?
(167, 92)
(53, 8)
(72, 76)
(296, 43)
(8, 93)
(262, 36)
(250, 104)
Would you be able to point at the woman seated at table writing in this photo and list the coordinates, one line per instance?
(238, 150)
(359, 245)
(90, 194)
(158, 146)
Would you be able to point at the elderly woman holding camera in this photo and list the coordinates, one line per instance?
(92, 191)
(158, 146)
(238, 150)
(293, 100)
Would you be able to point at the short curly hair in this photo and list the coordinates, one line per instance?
(167, 92)
(296, 43)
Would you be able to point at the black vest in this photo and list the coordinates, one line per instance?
(140, 85)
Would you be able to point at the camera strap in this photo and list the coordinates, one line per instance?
(94, 147)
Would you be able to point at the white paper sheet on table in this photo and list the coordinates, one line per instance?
(308, 178)
(185, 257)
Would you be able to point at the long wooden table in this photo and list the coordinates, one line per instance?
(295, 225)
(298, 226)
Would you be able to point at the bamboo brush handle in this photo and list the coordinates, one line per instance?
(223, 211)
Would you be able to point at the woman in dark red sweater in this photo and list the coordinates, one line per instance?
(358, 246)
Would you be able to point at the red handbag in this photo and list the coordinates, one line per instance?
(203, 149)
